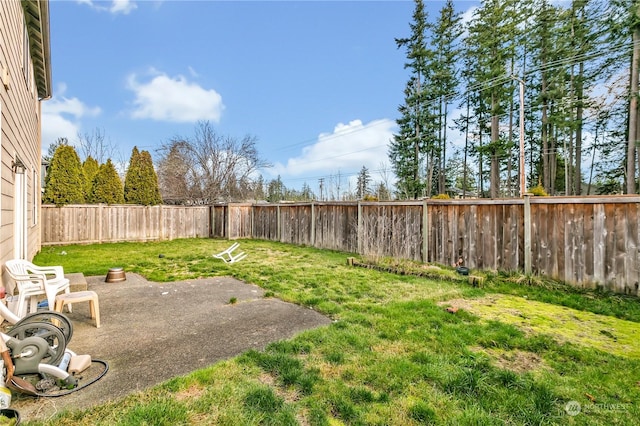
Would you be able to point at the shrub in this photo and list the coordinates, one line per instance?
(141, 182)
(65, 181)
(107, 186)
(441, 197)
(90, 169)
(538, 191)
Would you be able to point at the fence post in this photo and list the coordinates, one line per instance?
(278, 222)
(360, 228)
(425, 232)
(527, 233)
(227, 222)
(252, 222)
(313, 224)
(100, 223)
(212, 221)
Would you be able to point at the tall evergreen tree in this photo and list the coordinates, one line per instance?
(364, 180)
(141, 182)
(90, 169)
(489, 34)
(275, 190)
(64, 183)
(174, 176)
(633, 134)
(444, 73)
(107, 186)
(258, 191)
(412, 139)
(306, 194)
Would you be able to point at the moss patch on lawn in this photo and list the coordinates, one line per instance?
(609, 334)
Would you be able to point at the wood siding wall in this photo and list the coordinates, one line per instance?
(586, 241)
(20, 131)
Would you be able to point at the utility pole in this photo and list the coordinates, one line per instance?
(321, 183)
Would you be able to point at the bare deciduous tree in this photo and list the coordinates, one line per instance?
(208, 167)
(94, 144)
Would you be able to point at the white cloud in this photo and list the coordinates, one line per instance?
(468, 15)
(122, 6)
(175, 99)
(116, 6)
(61, 117)
(345, 150)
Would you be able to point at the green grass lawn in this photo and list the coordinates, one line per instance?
(516, 351)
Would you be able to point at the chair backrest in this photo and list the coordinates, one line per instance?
(18, 266)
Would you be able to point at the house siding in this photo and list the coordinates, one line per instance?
(20, 134)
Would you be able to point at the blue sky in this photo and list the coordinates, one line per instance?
(317, 83)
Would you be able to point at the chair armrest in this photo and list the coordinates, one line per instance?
(57, 271)
(29, 277)
(29, 282)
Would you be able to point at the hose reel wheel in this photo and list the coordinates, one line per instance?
(35, 343)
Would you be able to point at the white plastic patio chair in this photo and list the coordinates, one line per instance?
(227, 255)
(28, 294)
(30, 279)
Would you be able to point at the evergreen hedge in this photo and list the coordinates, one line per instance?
(65, 181)
(107, 186)
(141, 183)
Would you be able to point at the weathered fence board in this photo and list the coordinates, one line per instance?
(239, 218)
(336, 226)
(218, 221)
(587, 241)
(81, 224)
(265, 222)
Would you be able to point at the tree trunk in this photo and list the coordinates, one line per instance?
(466, 150)
(495, 138)
(546, 180)
(480, 168)
(633, 114)
(577, 177)
(443, 163)
(514, 83)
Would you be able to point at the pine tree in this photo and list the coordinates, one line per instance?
(174, 175)
(414, 136)
(489, 34)
(634, 106)
(107, 186)
(364, 180)
(275, 190)
(141, 182)
(445, 76)
(305, 193)
(65, 182)
(258, 191)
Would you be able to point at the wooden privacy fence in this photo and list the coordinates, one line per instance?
(586, 241)
(99, 223)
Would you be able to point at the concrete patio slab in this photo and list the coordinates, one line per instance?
(151, 332)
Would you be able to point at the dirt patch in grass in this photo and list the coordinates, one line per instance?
(192, 392)
(516, 360)
(289, 395)
(609, 334)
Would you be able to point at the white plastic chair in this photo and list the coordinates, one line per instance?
(227, 255)
(33, 280)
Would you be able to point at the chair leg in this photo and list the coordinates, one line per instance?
(21, 307)
(95, 311)
(33, 304)
(67, 291)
